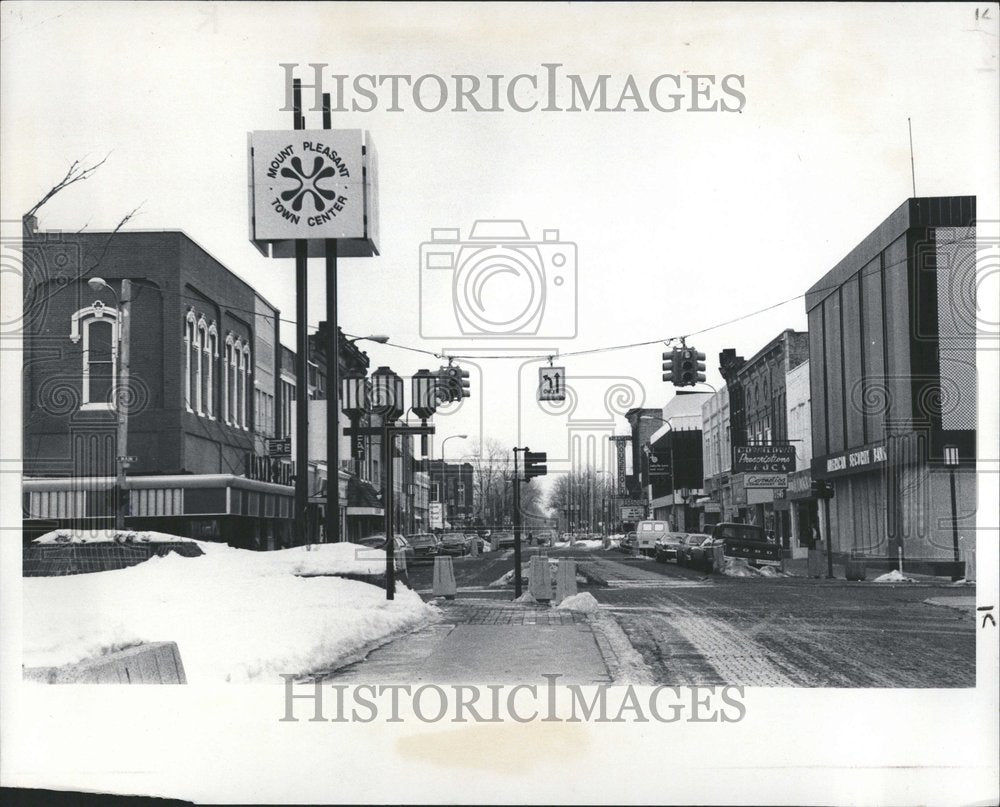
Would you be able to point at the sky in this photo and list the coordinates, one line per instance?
(679, 221)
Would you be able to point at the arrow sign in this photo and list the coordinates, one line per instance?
(551, 383)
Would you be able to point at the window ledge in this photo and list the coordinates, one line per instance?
(97, 407)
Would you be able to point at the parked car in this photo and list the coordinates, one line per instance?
(745, 541)
(629, 542)
(685, 550)
(478, 539)
(425, 545)
(401, 550)
(665, 547)
(455, 543)
(698, 555)
(544, 538)
(504, 539)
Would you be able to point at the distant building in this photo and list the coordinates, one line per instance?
(797, 499)
(717, 459)
(452, 484)
(893, 383)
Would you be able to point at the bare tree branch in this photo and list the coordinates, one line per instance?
(113, 233)
(76, 173)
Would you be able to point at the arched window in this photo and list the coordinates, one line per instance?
(190, 339)
(234, 367)
(245, 367)
(201, 370)
(97, 326)
(211, 356)
(227, 389)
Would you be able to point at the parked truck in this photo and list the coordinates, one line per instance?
(746, 541)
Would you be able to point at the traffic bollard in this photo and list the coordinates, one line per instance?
(444, 577)
(565, 580)
(474, 547)
(540, 579)
(968, 555)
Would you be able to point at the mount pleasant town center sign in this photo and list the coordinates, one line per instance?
(307, 184)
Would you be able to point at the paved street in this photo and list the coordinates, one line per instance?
(692, 629)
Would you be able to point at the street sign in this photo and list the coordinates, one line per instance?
(436, 515)
(551, 383)
(127, 460)
(659, 465)
(279, 446)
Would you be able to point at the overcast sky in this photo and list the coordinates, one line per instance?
(681, 220)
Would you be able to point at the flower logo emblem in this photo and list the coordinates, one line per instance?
(307, 184)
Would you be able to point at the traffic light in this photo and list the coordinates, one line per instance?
(453, 384)
(534, 464)
(691, 369)
(669, 367)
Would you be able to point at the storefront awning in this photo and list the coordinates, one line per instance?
(363, 499)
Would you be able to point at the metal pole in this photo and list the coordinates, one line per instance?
(829, 539)
(125, 331)
(954, 523)
(390, 541)
(332, 378)
(517, 530)
(301, 362)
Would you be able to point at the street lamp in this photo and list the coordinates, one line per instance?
(121, 391)
(951, 461)
(333, 431)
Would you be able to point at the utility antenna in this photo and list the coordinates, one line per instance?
(913, 174)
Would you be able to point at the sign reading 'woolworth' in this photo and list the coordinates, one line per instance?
(307, 184)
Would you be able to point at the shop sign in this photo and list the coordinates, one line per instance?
(633, 513)
(857, 459)
(764, 459)
(752, 481)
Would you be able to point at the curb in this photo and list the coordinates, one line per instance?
(154, 663)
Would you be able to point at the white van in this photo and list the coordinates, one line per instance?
(647, 532)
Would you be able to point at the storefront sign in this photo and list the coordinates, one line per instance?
(800, 485)
(266, 469)
(764, 459)
(307, 184)
(633, 513)
(435, 512)
(855, 460)
(765, 480)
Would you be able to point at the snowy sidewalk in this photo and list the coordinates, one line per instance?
(489, 642)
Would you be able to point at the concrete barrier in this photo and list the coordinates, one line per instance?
(474, 547)
(494, 543)
(154, 663)
(565, 580)
(540, 579)
(967, 553)
(444, 577)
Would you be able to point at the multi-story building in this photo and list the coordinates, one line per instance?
(201, 390)
(893, 384)
(673, 459)
(642, 422)
(798, 499)
(716, 458)
(758, 418)
(452, 484)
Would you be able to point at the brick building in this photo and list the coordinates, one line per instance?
(201, 392)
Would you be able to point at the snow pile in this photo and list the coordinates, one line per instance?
(589, 543)
(236, 615)
(527, 597)
(584, 603)
(895, 576)
(339, 558)
(740, 567)
(109, 536)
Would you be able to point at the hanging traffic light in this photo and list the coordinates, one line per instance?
(534, 464)
(453, 383)
(669, 367)
(690, 367)
(821, 489)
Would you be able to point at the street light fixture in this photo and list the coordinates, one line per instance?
(380, 338)
(120, 391)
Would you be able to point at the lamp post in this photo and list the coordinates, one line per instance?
(333, 387)
(951, 461)
(121, 390)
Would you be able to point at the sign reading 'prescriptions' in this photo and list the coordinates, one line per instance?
(308, 184)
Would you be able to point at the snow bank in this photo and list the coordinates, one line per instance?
(583, 602)
(339, 558)
(739, 567)
(236, 615)
(110, 536)
(893, 577)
